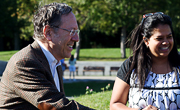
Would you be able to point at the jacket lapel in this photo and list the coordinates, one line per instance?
(60, 73)
(42, 58)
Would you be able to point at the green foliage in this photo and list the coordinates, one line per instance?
(16, 17)
(16, 14)
(109, 16)
(106, 87)
(25, 11)
(95, 17)
(89, 91)
(105, 16)
(8, 10)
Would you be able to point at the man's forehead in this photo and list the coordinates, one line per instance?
(69, 21)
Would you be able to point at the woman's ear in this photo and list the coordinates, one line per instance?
(146, 41)
(47, 32)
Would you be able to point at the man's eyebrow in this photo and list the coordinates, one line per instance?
(170, 33)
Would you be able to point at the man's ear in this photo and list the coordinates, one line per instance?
(146, 41)
(47, 32)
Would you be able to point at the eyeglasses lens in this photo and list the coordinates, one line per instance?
(73, 32)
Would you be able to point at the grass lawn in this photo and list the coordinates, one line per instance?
(6, 55)
(102, 54)
(92, 54)
(98, 101)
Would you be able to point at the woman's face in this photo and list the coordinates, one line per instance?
(161, 42)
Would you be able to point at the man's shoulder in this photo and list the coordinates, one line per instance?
(29, 49)
(25, 52)
(28, 52)
(27, 57)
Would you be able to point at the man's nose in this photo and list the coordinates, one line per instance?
(75, 37)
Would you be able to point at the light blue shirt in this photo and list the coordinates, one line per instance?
(72, 63)
(53, 63)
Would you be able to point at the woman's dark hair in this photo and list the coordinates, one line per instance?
(140, 59)
(72, 58)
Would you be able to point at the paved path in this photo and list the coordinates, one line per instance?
(106, 64)
(89, 76)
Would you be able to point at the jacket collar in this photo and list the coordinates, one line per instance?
(42, 58)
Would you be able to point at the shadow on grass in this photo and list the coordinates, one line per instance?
(79, 88)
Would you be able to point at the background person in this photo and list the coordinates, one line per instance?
(32, 79)
(72, 68)
(64, 66)
(149, 79)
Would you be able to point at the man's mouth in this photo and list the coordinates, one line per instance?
(70, 46)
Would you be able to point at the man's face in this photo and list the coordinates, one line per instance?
(62, 40)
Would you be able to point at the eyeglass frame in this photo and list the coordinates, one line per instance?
(72, 31)
(150, 14)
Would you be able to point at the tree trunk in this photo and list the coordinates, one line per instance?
(123, 37)
(76, 55)
(1, 44)
(16, 36)
(16, 42)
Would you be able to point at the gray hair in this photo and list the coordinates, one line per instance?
(49, 15)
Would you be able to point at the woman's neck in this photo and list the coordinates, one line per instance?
(161, 66)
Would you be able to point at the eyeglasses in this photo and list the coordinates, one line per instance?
(150, 14)
(72, 32)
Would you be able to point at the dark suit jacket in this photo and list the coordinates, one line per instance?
(27, 83)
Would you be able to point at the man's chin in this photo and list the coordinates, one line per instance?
(68, 56)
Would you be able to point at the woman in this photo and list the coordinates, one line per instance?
(149, 79)
(72, 68)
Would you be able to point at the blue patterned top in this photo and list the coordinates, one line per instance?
(160, 90)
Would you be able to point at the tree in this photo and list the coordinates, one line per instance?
(106, 16)
(25, 10)
(16, 18)
(172, 9)
(119, 16)
(7, 21)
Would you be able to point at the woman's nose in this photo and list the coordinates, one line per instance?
(165, 42)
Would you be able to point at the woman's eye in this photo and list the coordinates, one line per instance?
(169, 36)
(158, 38)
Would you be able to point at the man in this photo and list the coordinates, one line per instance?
(33, 78)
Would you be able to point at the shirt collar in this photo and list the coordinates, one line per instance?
(51, 59)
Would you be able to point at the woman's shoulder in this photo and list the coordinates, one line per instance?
(126, 63)
(124, 69)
